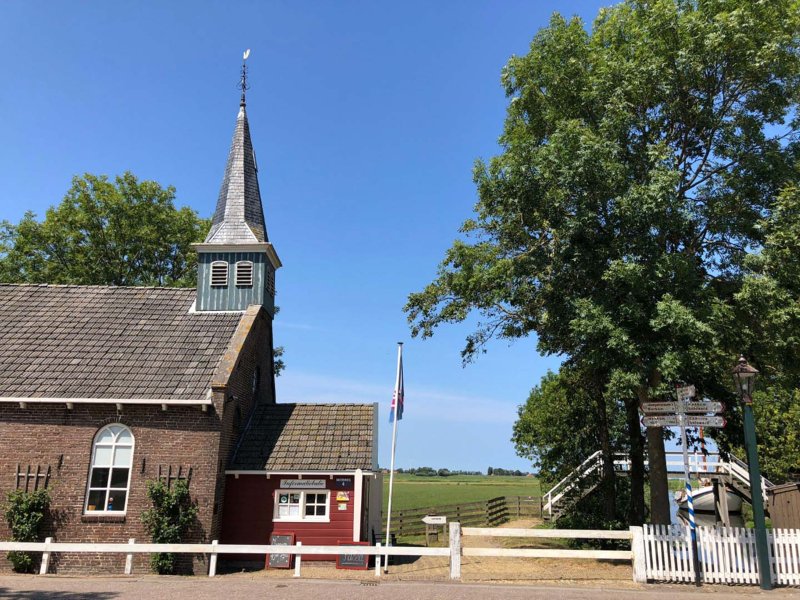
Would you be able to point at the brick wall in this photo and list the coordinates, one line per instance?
(186, 437)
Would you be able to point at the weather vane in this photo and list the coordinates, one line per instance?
(243, 82)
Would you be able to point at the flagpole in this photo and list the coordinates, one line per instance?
(395, 401)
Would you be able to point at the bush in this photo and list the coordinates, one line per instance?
(168, 521)
(25, 512)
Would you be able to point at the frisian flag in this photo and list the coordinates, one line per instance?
(397, 397)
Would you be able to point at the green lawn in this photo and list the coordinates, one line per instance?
(411, 491)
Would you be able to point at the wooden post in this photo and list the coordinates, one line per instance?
(297, 560)
(212, 562)
(129, 559)
(378, 560)
(638, 552)
(45, 557)
(723, 505)
(455, 550)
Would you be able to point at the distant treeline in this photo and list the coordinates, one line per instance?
(431, 472)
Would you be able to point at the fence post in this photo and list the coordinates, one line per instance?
(212, 562)
(638, 550)
(378, 560)
(129, 559)
(45, 557)
(297, 560)
(455, 550)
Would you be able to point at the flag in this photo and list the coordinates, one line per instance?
(397, 397)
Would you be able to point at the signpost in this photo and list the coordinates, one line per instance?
(681, 420)
(684, 413)
(668, 408)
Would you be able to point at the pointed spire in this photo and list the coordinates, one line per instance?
(239, 217)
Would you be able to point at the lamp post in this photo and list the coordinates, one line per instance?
(745, 378)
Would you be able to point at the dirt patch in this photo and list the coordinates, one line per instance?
(478, 569)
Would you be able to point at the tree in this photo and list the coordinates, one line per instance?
(637, 161)
(125, 232)
(168, 520)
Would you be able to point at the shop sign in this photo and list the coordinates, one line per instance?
(302, 484)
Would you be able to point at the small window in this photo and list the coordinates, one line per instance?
(292, 505)
(244, 273)
(219, 273)
(110, 472)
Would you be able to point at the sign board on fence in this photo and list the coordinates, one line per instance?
(690, 421)
(435, 519)
(686, 392)
(669, 408)
(280, 561)
(352, 561)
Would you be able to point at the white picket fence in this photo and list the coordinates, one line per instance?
(727, 554)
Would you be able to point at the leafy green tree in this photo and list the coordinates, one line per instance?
(172, 514)
(125, 232)
(637, 161)
(25, 512)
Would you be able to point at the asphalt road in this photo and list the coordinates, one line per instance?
(230, 588)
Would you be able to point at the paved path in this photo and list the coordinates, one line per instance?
(21, 587)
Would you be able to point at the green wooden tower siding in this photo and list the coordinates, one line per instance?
(231, 296)
(238, 233)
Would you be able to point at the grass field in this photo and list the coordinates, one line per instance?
(411, 491)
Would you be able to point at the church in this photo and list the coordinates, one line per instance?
(103, 389)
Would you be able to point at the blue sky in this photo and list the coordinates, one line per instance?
(366, 118)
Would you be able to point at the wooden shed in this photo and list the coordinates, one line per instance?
(784, 505)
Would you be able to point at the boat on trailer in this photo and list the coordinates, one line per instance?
(703, 500)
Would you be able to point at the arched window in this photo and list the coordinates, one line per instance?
(110, 472)
(219, 273)
(244, 273)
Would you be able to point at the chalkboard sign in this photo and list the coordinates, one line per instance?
(352, 561)
(280, 561)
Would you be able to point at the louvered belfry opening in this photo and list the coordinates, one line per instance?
(244, 273)
(219, 273)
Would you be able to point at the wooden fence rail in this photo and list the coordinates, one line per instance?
(495, 511)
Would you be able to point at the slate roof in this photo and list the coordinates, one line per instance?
(108, 342)
(307, 437)
(239, 216)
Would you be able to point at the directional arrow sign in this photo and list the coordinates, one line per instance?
(690, 421)
(670, 408)
(434, 519)
(698, 421)
(684, 393)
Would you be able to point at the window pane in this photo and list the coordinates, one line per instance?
(283, 511)
(294, 498)
(96, 500)
(321, 510)
(294, 511)
(102, 456)
(283, 499)
(309, 510)
(106, 437)
(125, 437)
(122, 457)
(99, 478)
(119, 478)
(116, 500)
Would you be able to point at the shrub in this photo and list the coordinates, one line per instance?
(25, 512)
(168, 521)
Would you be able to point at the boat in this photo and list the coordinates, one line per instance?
(703, 500)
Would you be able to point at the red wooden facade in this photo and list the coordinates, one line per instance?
(250, 509)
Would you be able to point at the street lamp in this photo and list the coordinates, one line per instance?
(744, 377)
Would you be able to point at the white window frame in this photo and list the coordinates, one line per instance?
(241, 280)
(302, 518)
(113, 445)
(215, 277)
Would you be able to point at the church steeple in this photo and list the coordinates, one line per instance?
(236, 262)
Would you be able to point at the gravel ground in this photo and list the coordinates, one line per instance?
(27, 587)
